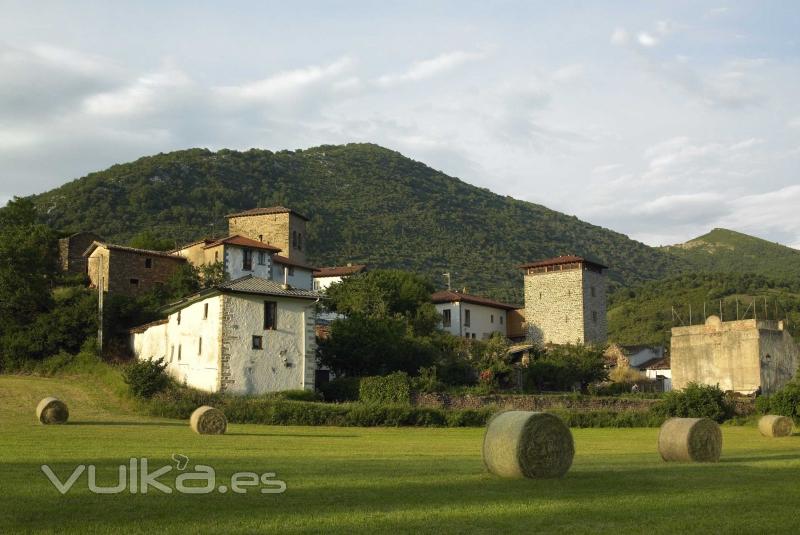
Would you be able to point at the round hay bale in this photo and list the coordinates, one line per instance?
(773, 425)
(527, 444)
(690, 440)
(207, 420)
(52, 411)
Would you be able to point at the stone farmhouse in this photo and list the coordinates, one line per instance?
(742, 356)
(471, 316)
(565, 301)
(127, 270)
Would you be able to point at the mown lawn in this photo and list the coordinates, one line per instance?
(359, 480)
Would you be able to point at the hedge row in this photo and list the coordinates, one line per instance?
(277, 409)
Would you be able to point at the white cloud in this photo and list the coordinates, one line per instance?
(428, 68)
(138, 98)
(620, 37)
(647, 40)
(794, 122)
(568, 73)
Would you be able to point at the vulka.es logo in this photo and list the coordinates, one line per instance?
(137, 478)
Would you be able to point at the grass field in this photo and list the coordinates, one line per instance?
(353, 480)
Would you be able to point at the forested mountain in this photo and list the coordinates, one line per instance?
(644, 315)
(723, 250)
(367, 204)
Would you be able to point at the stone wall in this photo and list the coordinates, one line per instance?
(554, 307)
(71, 249)
(274, 229)
(125, 266)
(594, 307)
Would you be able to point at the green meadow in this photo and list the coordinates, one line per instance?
(367, 480)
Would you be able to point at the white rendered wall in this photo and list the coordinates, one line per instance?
(302, 278)
(234, 258)
(484, 321)
(286, 361)
(322, 283)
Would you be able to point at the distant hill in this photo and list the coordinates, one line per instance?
(644, 315)
(723, 250)
(367, 204)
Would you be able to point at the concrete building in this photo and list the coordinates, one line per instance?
(565, 301)
(127, 270)
(325, 276)
(741, 356)
(247, 336)
(71, 249)
(471, 316)
(276, 225)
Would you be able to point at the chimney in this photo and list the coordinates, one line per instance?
(285, 285)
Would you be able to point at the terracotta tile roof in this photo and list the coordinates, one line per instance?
(340, 271)
(237, 239)
(113, 247)
(559, 260)
(658, 363)
(257, 285)
(450, 296)
(278, 259)
(142, 328)
(268, 210)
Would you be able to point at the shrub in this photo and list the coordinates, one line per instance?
(341, 389)
(610, 418)
(427, 381)
(298, 395)
(695, 401)
(394, 388)
(762, 404)
(145, 378)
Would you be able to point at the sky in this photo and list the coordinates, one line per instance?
(660, 120)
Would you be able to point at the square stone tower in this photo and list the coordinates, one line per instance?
(276, 225)
(565, 301)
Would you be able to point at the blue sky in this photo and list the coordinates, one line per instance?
(660, 120)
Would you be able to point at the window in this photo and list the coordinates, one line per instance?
(473, 336)
(540, 295)
(205, 311)
(294, 239)
(179, 317)
(179, 353)
(594, 316)
(247, 260)
(134, 282)
(501, 319)
(258, 342)
(262, 258)
(446, 318)
(260, 237)
(299, 241)
(316, 285)
(466, 318)
(216, 256)
(466, 335)
(591, 289)
(270, 315)
(200, 345)
(148, 263)
(171, 353)
(491, 318)
(566, 319)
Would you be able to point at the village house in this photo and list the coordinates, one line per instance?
(295, 273)
(565, 301)
(650, 361)
(325, 276)
(71, 249)
(275, 225)
(471, 316)
(239, 255)
(127, 270)
(742, 356)
(247, 336)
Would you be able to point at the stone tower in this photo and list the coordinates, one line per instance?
(565, 301)
(276, 225)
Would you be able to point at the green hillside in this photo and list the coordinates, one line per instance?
(367, 204)
(723, 250)
(644, 315)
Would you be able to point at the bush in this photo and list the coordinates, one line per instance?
(427, 381)
(610, 418)
(762, 405)
(341, 389)
(394, 388)
(145, 378)
(695, 401)
(297, 395)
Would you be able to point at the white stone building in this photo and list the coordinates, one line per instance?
(247, 336)
(658, 369)
(325, 276)
(240, 256)
(293, 272)
(471, 316)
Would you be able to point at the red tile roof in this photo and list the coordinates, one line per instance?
(278, 259)
(340, 271)
(236, 239)
(268, 210)
(559, 260)
(450, 296)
